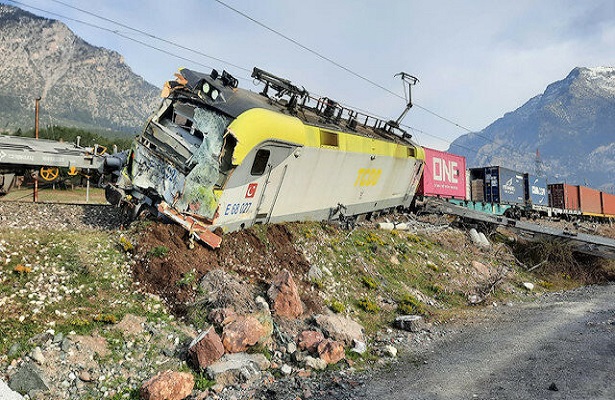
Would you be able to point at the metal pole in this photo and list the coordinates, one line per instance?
(36, 107)
(87, 189)
(35, 192)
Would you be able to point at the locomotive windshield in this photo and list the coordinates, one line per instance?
(191, 158)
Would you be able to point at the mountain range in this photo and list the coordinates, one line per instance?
(80, 85)
(571, 126)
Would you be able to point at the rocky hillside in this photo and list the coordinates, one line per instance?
(92, 310)
(572, 124)
(80, 85)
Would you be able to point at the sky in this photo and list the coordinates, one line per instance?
(475, 59)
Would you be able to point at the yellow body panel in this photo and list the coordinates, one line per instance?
(257, 125)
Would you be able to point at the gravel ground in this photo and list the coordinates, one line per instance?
(60, 216)
(560, 347)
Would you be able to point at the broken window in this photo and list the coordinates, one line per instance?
(226, 159)
(198, 196)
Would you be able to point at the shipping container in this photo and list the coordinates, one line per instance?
(590, 200)
(564, 196)
(608, 204)
(536, 190)
(504, 186)
(444, 175)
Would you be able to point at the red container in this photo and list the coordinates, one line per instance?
(590, 200)
(444, 175)
(608, 203)
(564, 196)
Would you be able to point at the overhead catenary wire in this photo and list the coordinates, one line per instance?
(115, 32)
(170, 42)
(294, 41)
(337, 64)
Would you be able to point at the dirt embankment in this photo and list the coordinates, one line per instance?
(255, 259)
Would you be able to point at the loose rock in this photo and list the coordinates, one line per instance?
(168, 385)
(285, 296)
(206, 349)
(331, 351)
(243, 332)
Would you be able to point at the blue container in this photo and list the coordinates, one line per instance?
(504, 186)
(536, 192)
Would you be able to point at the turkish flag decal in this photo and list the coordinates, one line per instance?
(251, 190)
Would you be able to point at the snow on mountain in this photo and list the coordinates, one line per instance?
(572, 124)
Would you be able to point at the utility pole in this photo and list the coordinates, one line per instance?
(36, 107)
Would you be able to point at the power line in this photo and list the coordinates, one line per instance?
(172, 43)
(320, 55)
(111, 31)
(152, 36)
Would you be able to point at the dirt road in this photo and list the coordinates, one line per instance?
(561, 347)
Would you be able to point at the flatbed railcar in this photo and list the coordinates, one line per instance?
(215, 156)
(25, 156)
(500, 191)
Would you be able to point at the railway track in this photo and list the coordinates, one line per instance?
(60, 216)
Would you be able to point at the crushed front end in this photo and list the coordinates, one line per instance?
(177, 166)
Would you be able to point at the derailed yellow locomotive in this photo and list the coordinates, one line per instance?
(217, 156)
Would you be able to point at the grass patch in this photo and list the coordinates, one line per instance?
(409, 304)
(76, 283)
(158, 251)
(368, 305)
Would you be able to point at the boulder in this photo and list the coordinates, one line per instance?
(243, 332)
(28, 378)
(359, 347)
(390, 351)
(340, 328)
(206, 348)
(238, 368)
(317, 364)
(168, 385)
(308, 340)
(481, 269)
(263, 315)
(331, 351)
(410, 323)
(284, 296)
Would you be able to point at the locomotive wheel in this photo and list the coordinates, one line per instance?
(72, 171)
(49, 173)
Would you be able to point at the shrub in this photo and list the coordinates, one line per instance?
(337, 306)
(159, 251)
(369, 282)
(409, 304)
(106, 318)
(368, 305)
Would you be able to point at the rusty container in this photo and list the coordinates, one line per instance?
(608, 203)
(564, 196)
(590, 200)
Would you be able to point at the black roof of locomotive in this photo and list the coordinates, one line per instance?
(234, 101)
